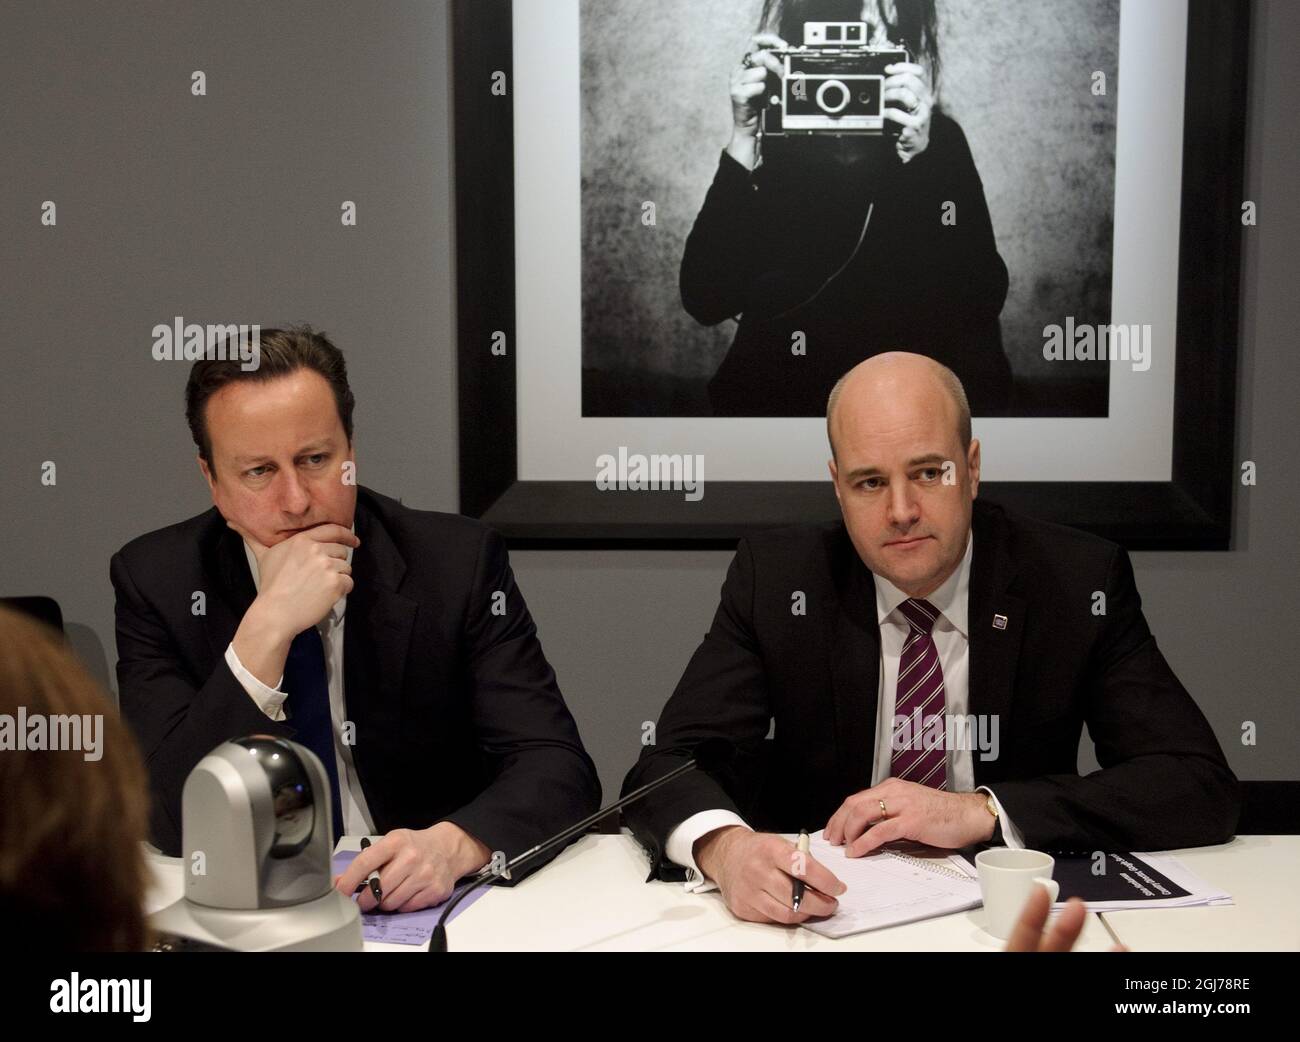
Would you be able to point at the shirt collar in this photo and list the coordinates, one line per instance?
(950, 598)
(337, 609)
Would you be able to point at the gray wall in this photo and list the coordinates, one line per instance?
(227, 208)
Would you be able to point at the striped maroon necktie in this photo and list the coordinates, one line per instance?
(919, 698)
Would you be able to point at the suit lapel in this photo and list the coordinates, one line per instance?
(994, 647)
(376, 639)
(378, 622)
(854, 662)
(231, 583)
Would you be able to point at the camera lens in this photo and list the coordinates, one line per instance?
(833, 96)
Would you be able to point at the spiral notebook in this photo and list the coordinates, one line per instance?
(891, 888)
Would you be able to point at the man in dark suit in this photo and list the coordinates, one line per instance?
(864, 641)
(392, 642)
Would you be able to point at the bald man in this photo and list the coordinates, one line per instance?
(926, 665)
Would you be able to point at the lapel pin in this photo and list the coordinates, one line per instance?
(999, 622)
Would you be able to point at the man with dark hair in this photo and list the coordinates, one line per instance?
(392, 642)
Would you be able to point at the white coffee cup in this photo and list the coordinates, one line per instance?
(1007, 878)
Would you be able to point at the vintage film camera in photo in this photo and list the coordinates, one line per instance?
(833, 84)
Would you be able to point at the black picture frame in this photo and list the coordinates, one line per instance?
(1192, 511)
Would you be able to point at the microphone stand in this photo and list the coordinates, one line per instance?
(438, 942)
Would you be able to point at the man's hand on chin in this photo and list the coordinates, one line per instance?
(417, 867)
(910, 811)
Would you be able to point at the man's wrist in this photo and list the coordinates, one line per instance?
(266, 623)
(709, 848)
(261, 644)
(984, 818)
(466, 853)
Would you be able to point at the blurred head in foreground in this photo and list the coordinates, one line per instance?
(74, 807)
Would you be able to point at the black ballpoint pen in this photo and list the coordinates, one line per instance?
(373, 880)
(799, 886)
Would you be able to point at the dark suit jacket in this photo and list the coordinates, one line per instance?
(457, 713)
(1164, 782)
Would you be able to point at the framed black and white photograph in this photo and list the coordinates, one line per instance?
(679, 223)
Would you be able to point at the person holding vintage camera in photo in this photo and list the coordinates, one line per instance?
(846, 216)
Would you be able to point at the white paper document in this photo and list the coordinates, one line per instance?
(889, 889)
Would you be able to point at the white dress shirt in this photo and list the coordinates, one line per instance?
(356, 815)
(951, 640)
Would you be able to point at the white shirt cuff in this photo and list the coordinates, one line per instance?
(1010, 835)
(270, 700)
(680, 847)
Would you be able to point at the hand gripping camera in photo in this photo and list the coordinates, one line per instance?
(833, 84)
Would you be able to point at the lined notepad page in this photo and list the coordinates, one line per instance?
(886, 889)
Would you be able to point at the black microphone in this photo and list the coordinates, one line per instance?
(710, 754)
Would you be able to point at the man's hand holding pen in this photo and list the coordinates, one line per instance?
(412, 868)
(756, 872)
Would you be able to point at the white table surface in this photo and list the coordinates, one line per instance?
(594, 897)
(1261, 873)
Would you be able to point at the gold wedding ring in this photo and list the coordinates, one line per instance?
(883, 813)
